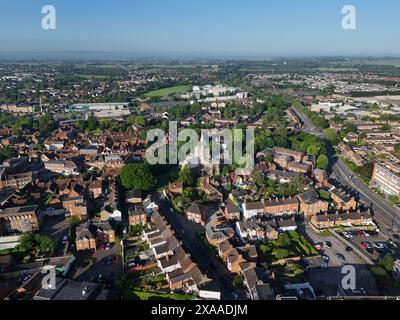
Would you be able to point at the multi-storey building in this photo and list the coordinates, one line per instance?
(386, 180)
(19, 219)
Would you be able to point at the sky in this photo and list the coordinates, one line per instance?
(202, 28)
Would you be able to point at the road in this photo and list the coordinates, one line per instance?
(207, 261)
(385, 213)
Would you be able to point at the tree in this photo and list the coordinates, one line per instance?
(387, 263)
(138, 176)
(44, 243)
(92, 123)
(73, 221)
(186, 176)
(137, 120)
(237, 282)
(313, 150)
(367, 170)
(26, 242)
(322, 162)
(330, 134)
(394, 199)
(8, 152)
(280, 253)
(397, 148)
(46, 123)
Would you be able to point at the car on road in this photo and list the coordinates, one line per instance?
(341, 257)
(65, 240)
(109, 260)
(108, 247)
(347, 235)
(328, 244)
(349, 249)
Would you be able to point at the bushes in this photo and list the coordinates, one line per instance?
(237, 282)
(280, 253)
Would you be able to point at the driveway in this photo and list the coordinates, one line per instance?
(57, 228)
(91, 272)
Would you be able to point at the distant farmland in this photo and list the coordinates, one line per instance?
(167, 91)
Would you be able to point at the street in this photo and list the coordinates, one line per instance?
(207, 261)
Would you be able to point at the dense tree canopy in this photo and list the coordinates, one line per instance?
(137, 176)
(322, 162)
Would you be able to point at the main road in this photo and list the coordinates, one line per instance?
(385, 213)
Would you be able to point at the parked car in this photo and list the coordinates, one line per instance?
(318, 247)
(109, 260)
(349, 249)
(65, 240)
(325, 258)
(102, 248)
(366, 234)
(380, 245)
(348, 235)
(328, 244)
(108, 246)
(341, 257)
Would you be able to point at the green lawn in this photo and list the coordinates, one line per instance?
(147, 295)
(167, 91)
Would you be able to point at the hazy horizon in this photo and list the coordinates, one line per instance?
(200, 29)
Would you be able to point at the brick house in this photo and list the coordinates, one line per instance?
(95, 188)
(85, 240)
(197, 213)
(283, 206)
(90, 235)
(342, 200)
(212, 193)
(346, 219)
(75, 207)
(232, 211)
(137, 215)
(311, 204)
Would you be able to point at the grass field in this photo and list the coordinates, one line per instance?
(167, 91)
(147, 295)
